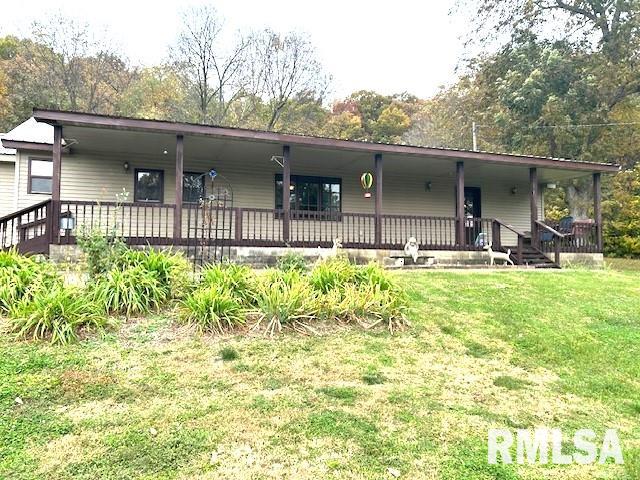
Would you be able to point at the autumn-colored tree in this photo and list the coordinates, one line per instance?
(344, 125)
(381, 118)
(621, 212)
(84, 71)
(157, 93)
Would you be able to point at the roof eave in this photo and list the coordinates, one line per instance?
(56, 117)
(20, 145)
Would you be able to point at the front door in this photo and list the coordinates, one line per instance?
(472, 214)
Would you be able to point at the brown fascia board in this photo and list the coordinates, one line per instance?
(57, 117)
(18, 145)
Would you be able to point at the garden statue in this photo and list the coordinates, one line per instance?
(411, 249)
(324, 253)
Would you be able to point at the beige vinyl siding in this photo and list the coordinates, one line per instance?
(7, 188)
(98, 177)
(26, 199)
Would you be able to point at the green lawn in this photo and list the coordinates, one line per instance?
(485, 349)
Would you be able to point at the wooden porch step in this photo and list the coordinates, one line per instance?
(531, 257)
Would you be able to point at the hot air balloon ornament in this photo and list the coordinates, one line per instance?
(366, 180)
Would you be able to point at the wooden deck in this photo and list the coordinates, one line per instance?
(30, 230)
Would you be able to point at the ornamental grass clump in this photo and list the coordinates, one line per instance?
(332, 273)
(285, 299)
(237, 279)
(289, 277)
(369, 305)
(21, 277)
(213, 309)
(171, 269)
(374, 275)
(129, 291)
(58, 313)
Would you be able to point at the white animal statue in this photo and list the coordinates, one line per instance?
(324, 253)
(411, 249)
(498, 255)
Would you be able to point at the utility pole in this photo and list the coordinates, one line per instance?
(474, 132)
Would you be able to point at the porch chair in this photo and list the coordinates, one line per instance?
(565, 225)
(546, 236)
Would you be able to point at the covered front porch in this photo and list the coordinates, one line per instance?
(446, 199)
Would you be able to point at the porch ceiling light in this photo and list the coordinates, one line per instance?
(126, 166)
(514, 190)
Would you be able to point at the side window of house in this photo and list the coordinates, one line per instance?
(192, 187)
(40, 175)
(148, 185)
(312, 194)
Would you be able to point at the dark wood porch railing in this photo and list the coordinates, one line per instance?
(497, 228)
(550, 240)
(582, 237)
(28, 229)
(138, 223)
(146, 223)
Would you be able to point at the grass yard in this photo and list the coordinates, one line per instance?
(485, 349)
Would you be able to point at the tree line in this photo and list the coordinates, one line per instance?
(263, 80)
(562, 79)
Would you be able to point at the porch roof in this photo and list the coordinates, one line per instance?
(94, 121)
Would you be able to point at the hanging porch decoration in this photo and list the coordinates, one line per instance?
(366, 180)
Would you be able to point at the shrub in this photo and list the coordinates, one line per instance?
(213, 308)
(292, 261)
(101, 250)
(237, 279)
(131, 290)
(59, 313)
(287, 300)
(332, 273)
(621, 214)
(21, 277)
(171, 269)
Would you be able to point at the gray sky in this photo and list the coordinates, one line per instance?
(387, 46)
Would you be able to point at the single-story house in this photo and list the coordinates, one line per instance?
(8, 182)
(220, 189)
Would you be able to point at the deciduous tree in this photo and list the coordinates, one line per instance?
(214, 73)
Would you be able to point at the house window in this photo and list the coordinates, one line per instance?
(148, 185)
(311, 194)
(192, 187)
(40, 175)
